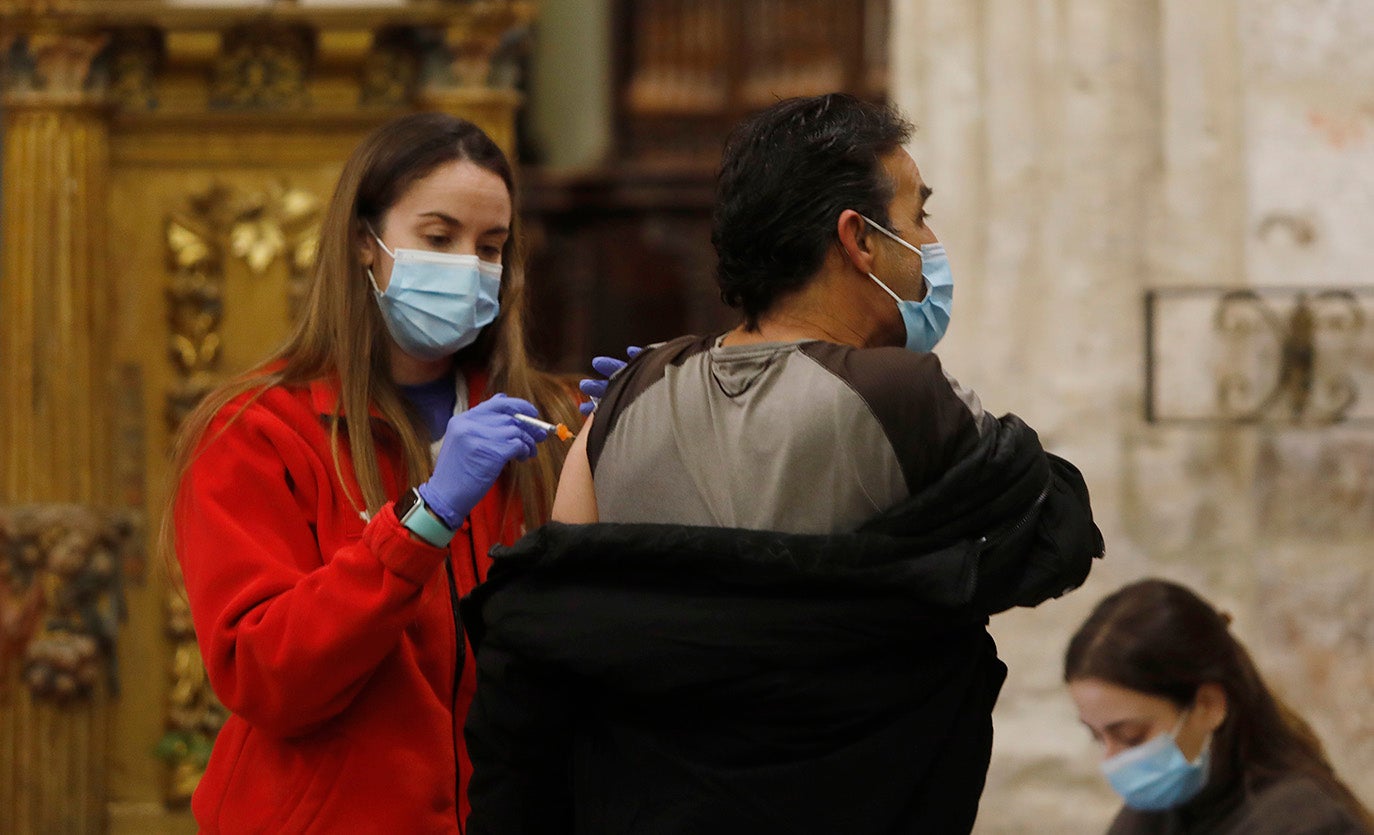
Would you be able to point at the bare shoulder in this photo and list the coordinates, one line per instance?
(575, 500)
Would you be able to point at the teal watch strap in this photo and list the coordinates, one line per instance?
(422, 522)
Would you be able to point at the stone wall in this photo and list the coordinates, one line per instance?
(1082, 153)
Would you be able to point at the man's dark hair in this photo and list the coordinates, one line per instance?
(785, 176)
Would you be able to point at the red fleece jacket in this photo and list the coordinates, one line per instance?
(332, 641)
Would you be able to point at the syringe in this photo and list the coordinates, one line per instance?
(563, 433)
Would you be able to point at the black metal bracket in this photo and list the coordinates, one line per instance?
(1279, 356)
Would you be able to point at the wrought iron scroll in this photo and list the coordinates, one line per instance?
(1265, 355)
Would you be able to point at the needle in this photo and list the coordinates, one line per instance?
(563, 433)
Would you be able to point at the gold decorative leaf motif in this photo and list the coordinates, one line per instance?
(298, 204)
(188, 248)
(307, 250)
(184, 352)
(258, 242)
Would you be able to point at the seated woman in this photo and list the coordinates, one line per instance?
(1194, 740)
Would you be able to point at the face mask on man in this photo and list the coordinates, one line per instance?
(1155, 775)
(436, 304)
(926, 320)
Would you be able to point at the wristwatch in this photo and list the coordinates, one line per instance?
(417, 518)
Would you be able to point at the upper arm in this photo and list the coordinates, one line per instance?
(290, 629)
(575, 501)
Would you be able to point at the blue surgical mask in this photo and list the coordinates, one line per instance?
(436, 304)
(1155, 776)
(926, 320)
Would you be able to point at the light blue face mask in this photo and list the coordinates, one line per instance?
(1155, 776)
(436, 304)
(926, 320)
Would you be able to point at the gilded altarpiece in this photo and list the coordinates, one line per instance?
(165, 168)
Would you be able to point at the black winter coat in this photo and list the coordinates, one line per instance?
(675, 679)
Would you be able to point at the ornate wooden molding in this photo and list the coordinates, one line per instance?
(47, 69)
(256, 226)
(195, 294)
(262, 66)
(280, 220)
(60, 584)
(156, 60)
(474, 35)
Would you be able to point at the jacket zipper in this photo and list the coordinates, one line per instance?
(459, 654)
(989, 542)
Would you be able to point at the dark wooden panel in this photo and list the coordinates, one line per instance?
(622, 255)
(619, 257)
(686, 70)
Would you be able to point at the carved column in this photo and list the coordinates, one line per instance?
(55, 419)
(55, 311)
(468, 84)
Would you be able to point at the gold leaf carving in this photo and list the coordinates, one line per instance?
(194, 295)
(298, 204)
(258, 242)
(306, 251)
(262, 67)
(64, 61)
(267, 224)
(184, 351)
(187, 248)
(209, 351)
(475, 34)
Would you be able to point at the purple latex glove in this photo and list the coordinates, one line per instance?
(477, 445)
(607, 367)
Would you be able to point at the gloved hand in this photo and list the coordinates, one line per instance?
(606, 367)
(477, 445)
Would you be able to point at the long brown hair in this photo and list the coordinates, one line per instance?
(341, 332)
(1159, 638)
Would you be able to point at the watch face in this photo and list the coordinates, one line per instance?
(406, 502)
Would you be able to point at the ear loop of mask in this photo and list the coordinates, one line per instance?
(894, 236)
(387, 249)
(1178, 726)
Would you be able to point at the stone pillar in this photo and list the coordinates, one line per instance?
(1038, 128)
(55, 387)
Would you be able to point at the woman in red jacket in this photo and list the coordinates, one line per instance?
(333, 504)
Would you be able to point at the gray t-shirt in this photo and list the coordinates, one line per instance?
(797, 437)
